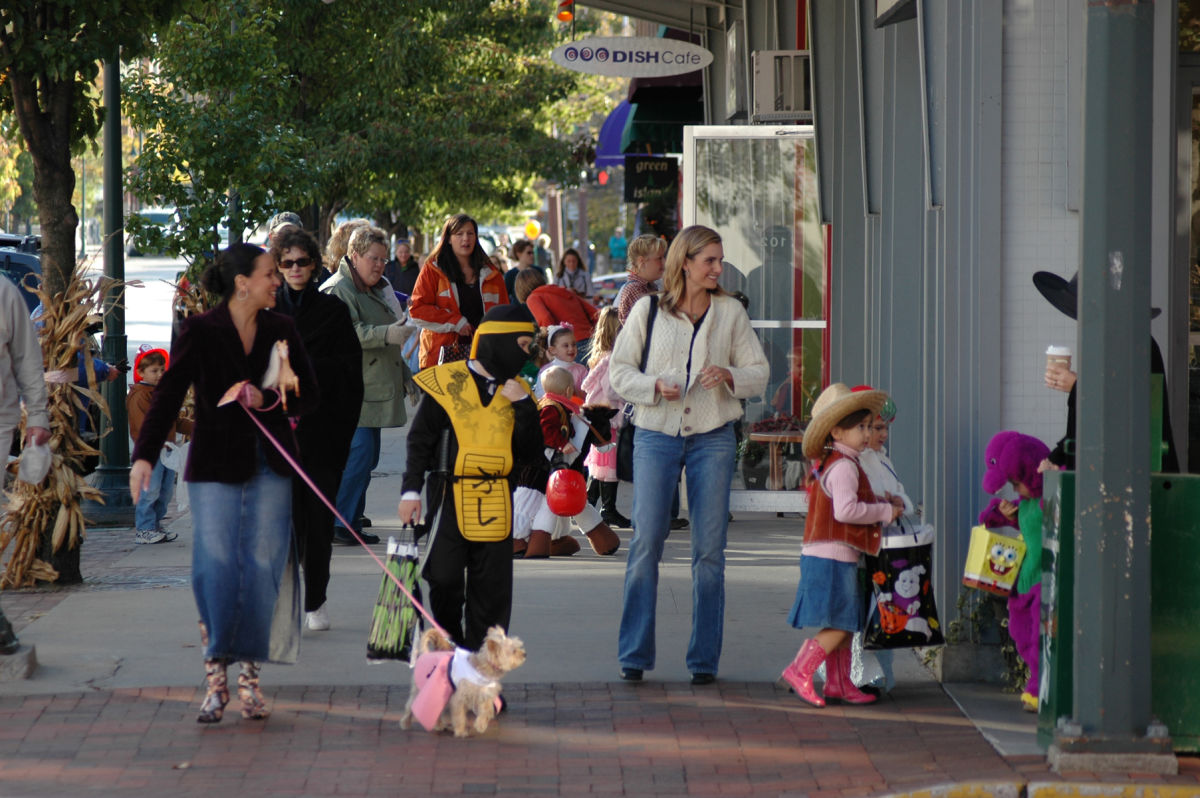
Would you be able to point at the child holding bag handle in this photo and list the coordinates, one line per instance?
(843, 522)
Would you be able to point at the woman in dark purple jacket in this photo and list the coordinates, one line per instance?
(240, 486)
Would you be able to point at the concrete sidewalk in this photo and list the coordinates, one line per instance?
(111, 709)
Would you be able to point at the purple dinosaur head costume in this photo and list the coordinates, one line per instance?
(1011, 456)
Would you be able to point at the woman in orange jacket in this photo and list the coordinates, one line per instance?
(456, 286)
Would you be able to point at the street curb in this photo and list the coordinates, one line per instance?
(1050, 789)
(1069, 789)
(967, 789)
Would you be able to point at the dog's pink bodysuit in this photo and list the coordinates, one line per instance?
(434, 685)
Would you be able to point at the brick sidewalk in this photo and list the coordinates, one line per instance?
(653, 740)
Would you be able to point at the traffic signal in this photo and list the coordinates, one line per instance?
(566, 11)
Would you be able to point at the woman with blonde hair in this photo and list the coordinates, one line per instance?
(646, 255)
(456, 286)
(382, 331)
(702, 358)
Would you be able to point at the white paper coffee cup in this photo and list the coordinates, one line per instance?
(1058, 357)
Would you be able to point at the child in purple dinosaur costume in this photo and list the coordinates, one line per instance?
(1013, 458)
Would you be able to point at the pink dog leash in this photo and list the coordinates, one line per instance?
(238, 392)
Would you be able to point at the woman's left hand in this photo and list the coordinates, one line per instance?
(712, 376)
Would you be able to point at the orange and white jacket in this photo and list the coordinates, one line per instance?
(434, 307)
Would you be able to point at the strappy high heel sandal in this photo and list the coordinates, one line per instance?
(216, 696)
(253, 705)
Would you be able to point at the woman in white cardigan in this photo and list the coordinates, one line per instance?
(703, 358)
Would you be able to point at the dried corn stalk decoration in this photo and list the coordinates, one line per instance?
(54, 507)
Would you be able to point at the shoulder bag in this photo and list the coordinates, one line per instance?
(625, 436)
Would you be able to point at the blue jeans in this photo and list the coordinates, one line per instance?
(657, 461)
(153, 501)
(242, 535)
(364, 456)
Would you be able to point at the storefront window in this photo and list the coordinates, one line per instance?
(757, 187)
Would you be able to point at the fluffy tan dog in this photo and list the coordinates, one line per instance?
(451, 686)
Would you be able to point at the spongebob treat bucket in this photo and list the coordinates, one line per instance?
(993, 561)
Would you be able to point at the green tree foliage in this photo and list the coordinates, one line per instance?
(398, 111)
(50, 54)
(212, 106)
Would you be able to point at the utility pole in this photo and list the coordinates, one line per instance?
(112, 477)
(1112, 728)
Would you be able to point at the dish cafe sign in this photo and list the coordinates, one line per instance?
(631, 56)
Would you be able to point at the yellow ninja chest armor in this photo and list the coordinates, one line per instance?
(482, 500)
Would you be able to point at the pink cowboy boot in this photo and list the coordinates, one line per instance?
(839, 685)
(799, 675)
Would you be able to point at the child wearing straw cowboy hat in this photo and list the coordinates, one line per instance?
(844, 520)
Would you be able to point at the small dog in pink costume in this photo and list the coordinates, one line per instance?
(1013, 458)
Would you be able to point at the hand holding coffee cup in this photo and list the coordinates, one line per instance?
(1058, 369)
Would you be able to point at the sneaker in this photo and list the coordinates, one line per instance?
(679, 523)
(317, 620)
(168, 535)
(149, 536)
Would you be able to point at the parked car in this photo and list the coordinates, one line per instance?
(607, 286)
(21, 243)
(19, 266)
(163, 217)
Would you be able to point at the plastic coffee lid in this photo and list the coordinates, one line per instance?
(1062, 351)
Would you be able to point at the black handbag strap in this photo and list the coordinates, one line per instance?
(649, 331)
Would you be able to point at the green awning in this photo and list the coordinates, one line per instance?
(656, 128)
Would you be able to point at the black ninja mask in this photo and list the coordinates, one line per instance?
(495, 344)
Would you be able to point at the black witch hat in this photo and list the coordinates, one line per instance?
(1064, 294)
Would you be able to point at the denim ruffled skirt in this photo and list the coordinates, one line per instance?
(829, 596)
(244, 568)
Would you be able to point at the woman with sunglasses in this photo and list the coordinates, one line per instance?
(324, 435)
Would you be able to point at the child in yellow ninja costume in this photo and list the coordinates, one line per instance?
(489, 420)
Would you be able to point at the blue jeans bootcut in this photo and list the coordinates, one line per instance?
(657, 462)
(356, 478)
(153, 501)
(242, 535)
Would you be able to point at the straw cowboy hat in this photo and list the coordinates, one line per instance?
(1064, 294)
(835, 403)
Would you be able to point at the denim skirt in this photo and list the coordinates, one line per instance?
(829, 596)
(242, 539)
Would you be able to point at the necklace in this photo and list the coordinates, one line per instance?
(697, 314)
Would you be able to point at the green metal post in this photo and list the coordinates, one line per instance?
(1111, 726)
(112, 477)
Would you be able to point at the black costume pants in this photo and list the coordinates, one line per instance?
(468, 580)
(313, 522)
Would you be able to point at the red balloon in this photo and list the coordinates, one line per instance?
(566, 492)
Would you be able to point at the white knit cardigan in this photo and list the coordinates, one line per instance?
(725, 339)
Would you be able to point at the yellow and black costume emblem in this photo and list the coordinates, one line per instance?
(482, 498)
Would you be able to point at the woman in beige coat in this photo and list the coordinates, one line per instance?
(702, 358)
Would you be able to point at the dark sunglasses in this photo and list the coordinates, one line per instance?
(298, 263)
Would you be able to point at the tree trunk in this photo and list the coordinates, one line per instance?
(46, 119)
(53, 186)
(65, 561)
